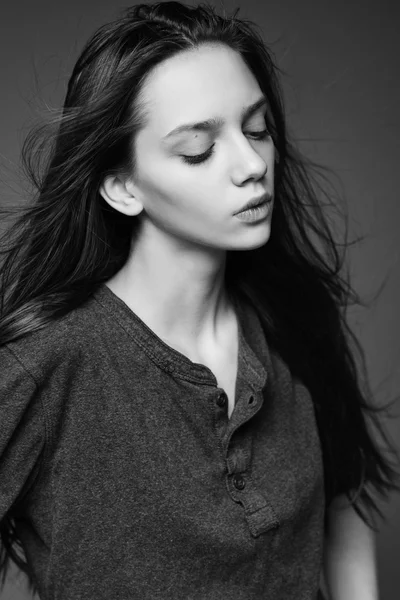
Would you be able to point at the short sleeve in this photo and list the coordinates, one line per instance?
(22, 431)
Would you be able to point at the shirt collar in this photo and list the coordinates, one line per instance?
(254, 356)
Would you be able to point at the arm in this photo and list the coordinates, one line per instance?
(349, 569)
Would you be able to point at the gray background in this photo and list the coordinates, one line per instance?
(343, 96)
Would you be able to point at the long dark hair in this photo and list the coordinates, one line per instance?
(68, 241)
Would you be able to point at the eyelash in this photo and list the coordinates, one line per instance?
(200, 158)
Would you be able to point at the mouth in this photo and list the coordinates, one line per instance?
(267, 197)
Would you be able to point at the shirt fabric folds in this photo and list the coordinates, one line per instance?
(127, 479)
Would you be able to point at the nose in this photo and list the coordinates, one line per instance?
(252, 159)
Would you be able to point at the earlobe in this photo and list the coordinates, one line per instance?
(116, 193)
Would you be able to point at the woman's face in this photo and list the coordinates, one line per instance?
(196, 202)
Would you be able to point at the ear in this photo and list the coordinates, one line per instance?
(120, 195)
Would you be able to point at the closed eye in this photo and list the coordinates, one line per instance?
(201, 158)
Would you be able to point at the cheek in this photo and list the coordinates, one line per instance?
(172, 192)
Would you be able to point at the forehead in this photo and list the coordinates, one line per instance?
(196, 85)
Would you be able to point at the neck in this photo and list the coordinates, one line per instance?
(177, 290)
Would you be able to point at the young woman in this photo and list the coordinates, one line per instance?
(181, 414)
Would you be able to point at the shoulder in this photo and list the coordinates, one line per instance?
(61, 343)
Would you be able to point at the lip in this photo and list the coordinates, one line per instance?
(267, 197)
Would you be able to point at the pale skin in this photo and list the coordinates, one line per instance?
(349, 571)
(173, 279)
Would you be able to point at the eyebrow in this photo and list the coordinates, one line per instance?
(216, 122)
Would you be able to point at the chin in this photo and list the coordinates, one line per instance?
(252, 239)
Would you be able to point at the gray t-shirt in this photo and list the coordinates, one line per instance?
(128, 480)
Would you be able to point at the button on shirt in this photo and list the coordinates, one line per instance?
(128, 480)
(222, 399)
